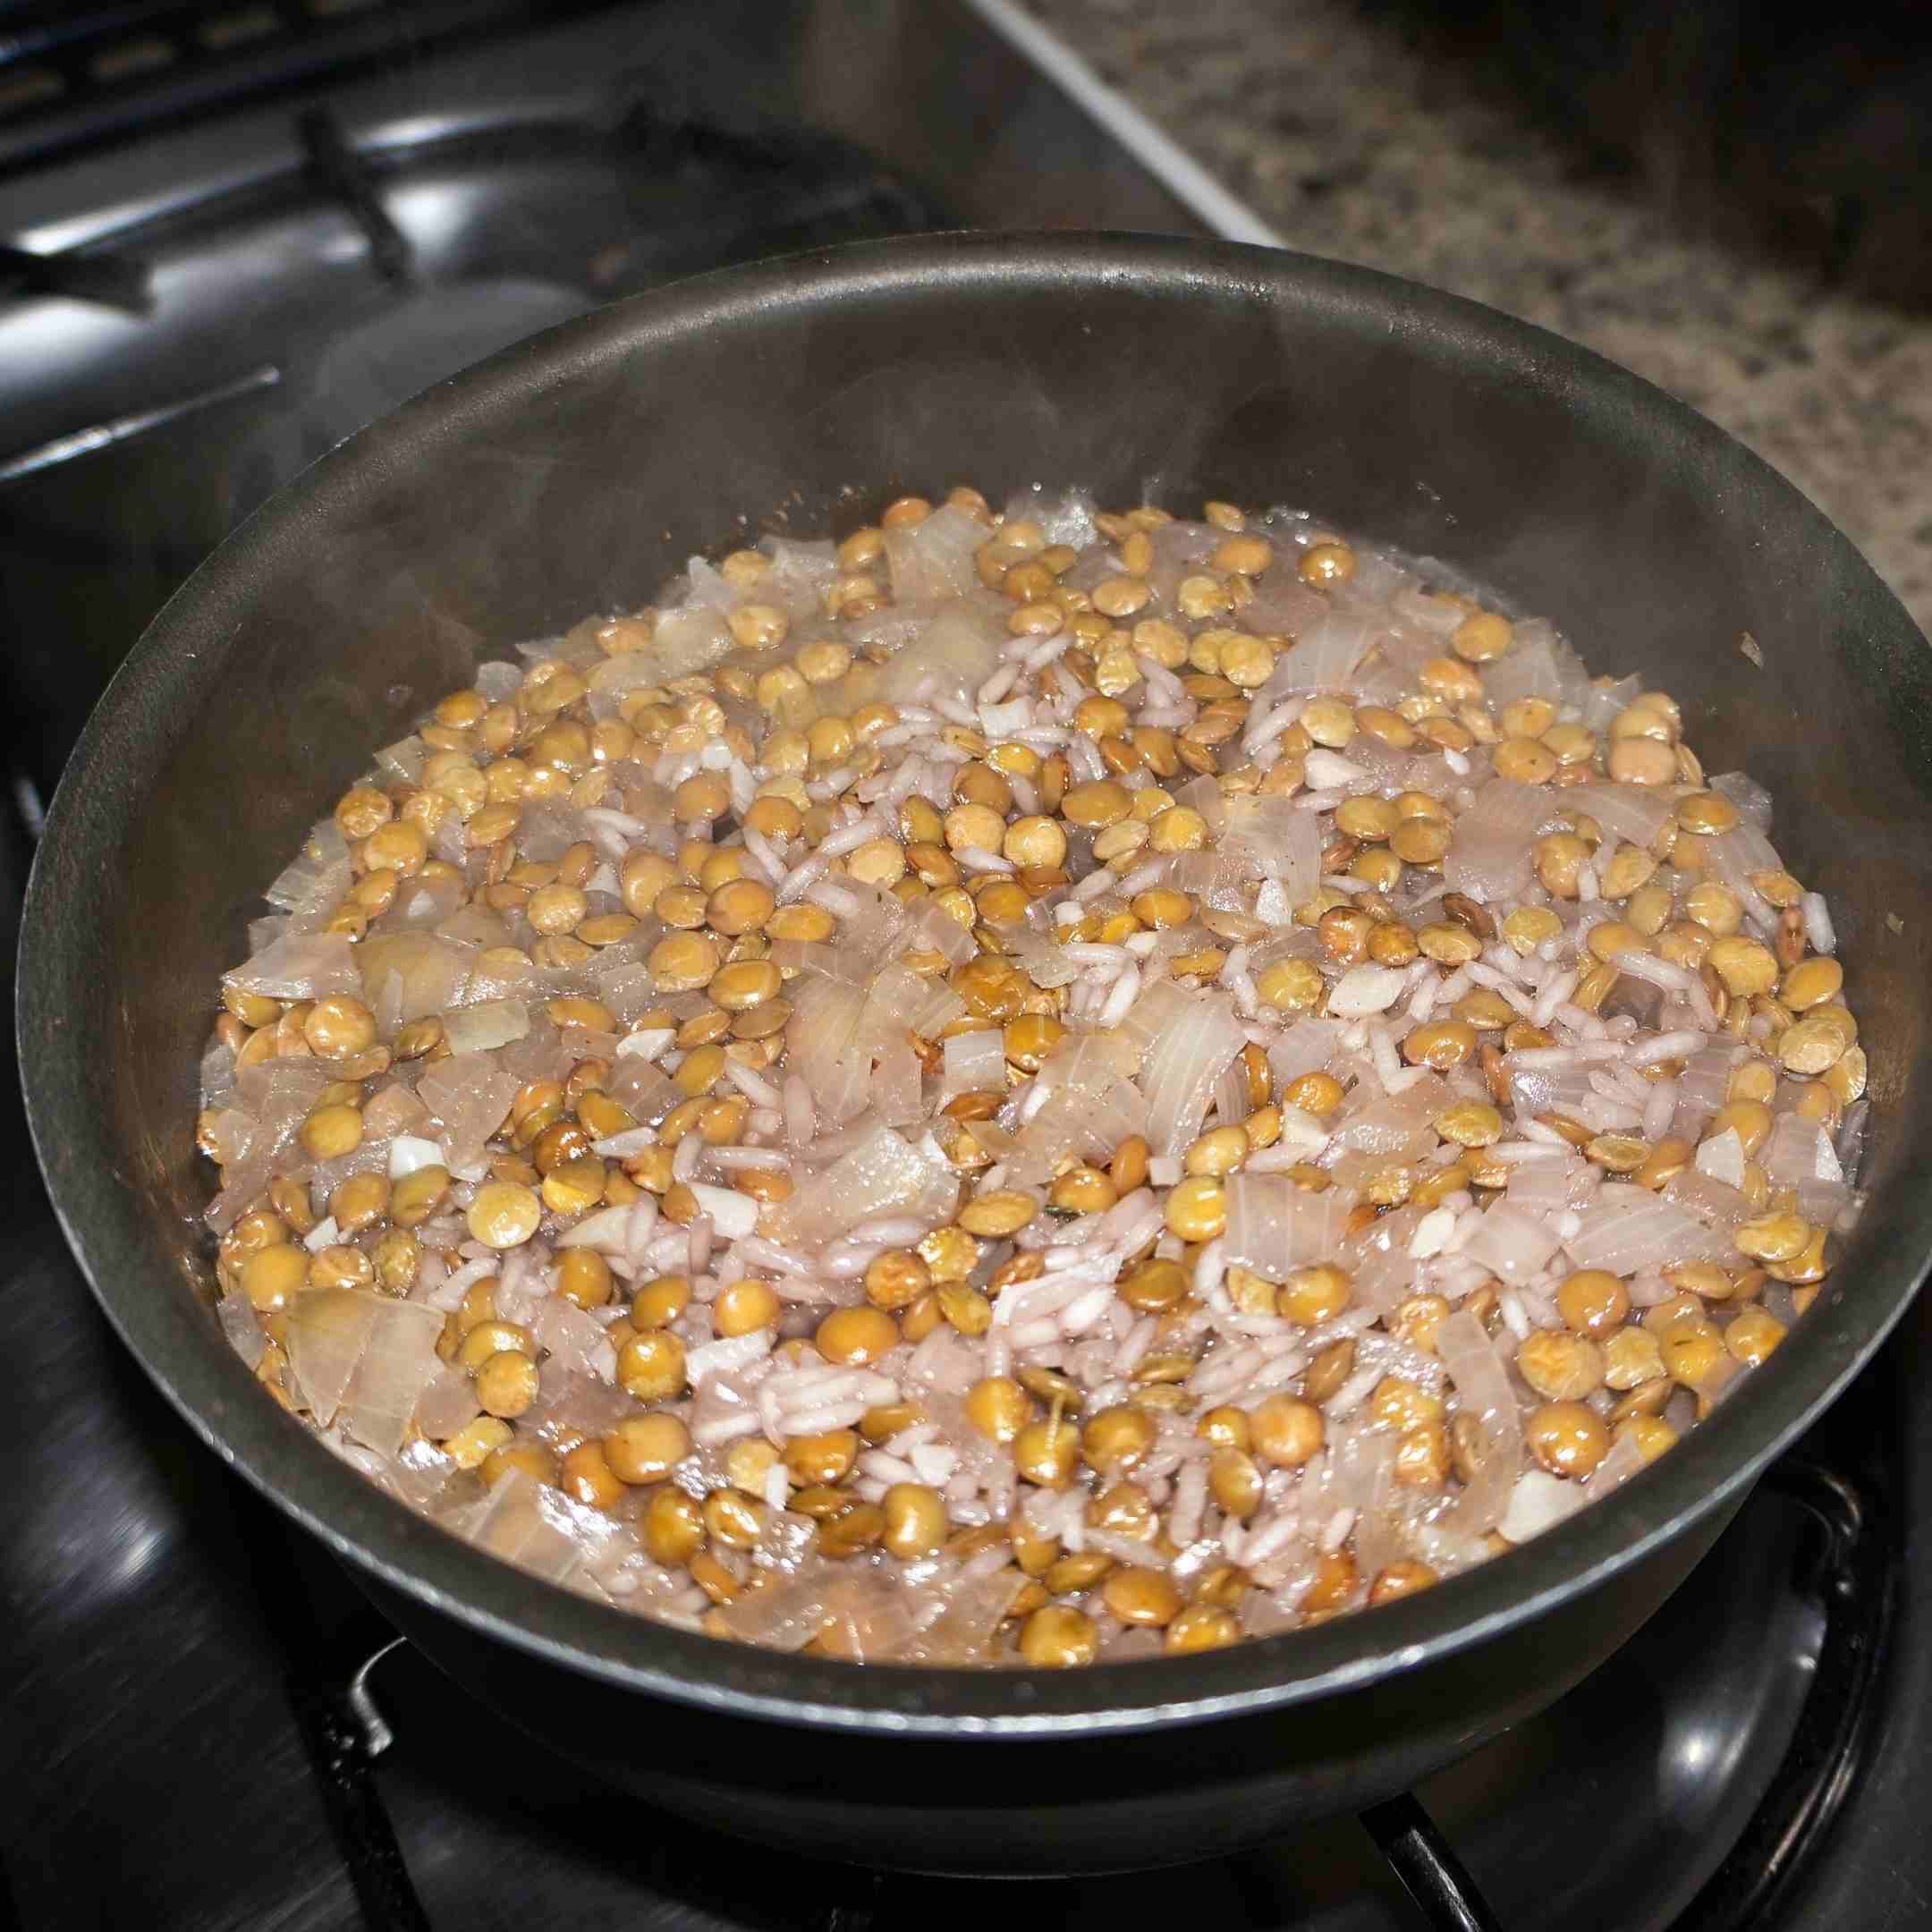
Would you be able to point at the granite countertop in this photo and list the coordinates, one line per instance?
(1352, 142)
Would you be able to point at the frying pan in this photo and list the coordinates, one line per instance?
(574, 472)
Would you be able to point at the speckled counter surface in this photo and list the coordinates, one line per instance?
(1351, 144)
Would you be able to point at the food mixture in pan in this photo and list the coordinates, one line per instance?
(1026, 1087)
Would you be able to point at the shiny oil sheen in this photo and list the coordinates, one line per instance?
(573, 473)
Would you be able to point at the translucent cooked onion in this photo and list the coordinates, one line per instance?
(1705, 1080)
(970, 1609)
(1714, 1201)
(1274, 838)
(1324, 656)
(802, 570)
(398, 1359)
(1378, 1258)
(1512, 1244)
(1043, 962)
(1490, 850)
(974, 1063)
(787, 1615)
(933, 927)
(489, 1023)
(1538, 665)
(1750, 798)
(1626, 812)
(689, 639)
(394, 1110)
(313, 883)
(1194, 1036)
(411, 975)
(227, 1135)
(447, 1403)
(574, 1338)
(521, 1524)
(243, 1328)
(1540, 1501)
(1631, 1228)
(898, 1084)
(1798, 1149)
(933, 559)
(301, 966)
(1089, 1107)
(1549, 1188)
(950, 656)
(1274, 1226)
(1625, 1457)
(1482, 1385)
(1390, 1126)
(1734, 856)
(883, 1175)
(328, 1330)
(1282, 606)
(821, 1047)
(1306, 1047)
(469, 1094)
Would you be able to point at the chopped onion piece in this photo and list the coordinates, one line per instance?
(399, 1359)
(410, 1152)
(1798, 1149)
(1306, 1047)
(1490, 849)
(489, 1023)
(469, 1094)
(1482, 1386)
(972, 1609)
(1363, 990)
(1722, 1158)
(447, 1403)
(605, 1230)
(733, 1214)
(1325, 657)
(1625, 1457)
(242, 1327)
(934, 558)
(411, 975)
(574, 1338)
(1274, 1226)
(1750, 798)
(1272, 838)
(883, 1175)
(328, 1330)
(1716, 1202)
(1631, 1228)
(1194, 1036)
(1626, 812)
(515, 1525)
(649, 1043)
(975, 1063)
(1512, 1244)
(1539, 1502)
(303, 966)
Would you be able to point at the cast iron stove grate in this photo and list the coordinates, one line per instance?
(1843, 1562)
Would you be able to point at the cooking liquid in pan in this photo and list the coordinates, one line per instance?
(1030, 1088)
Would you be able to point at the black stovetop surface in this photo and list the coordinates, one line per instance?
(206, 1725)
